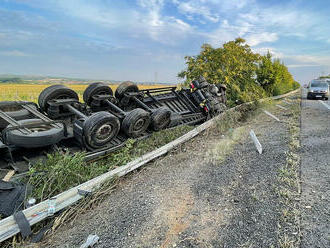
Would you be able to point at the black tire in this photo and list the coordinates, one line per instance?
(160, 118)
(55, 92)
(42, 135)
(125, 87)
(99, 129)
(135, 122)
(16, 111)
(93, 89)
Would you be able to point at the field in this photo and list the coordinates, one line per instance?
(30, 92)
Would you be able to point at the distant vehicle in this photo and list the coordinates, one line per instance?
(318, 89)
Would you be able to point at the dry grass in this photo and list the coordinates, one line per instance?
(30, 92)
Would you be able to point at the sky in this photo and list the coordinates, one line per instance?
(142, 40)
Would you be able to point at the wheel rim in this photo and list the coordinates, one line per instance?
(103, 133)
(41, 128)
(139, 124)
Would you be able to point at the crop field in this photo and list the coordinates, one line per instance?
(30, 92)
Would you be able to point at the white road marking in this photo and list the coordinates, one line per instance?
(256, 141)
(281, 107)
(326, 105)
(271, 115)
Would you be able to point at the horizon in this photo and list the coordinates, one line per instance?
(146, 41)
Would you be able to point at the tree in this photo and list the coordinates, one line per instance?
(247, 75)
(234, 64)
(266, 73)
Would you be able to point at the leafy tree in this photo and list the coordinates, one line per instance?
(266, 73)
(274, 76)
(324, 77)
(247, 75)
(234, 64)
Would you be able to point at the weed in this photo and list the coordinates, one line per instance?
(289, 188)
(63, 171)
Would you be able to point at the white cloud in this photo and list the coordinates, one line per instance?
(226, 32)
(309, 59)
(264, 50)
(146, 20)
(302, 65)
(257, 38)
(191, 8)
(14, 53)
(164, 29)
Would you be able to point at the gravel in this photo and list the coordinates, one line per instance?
(315, 174)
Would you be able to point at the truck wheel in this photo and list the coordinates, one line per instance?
(55, 92)
(41, 135)
(100, 128)
(135, 122)
(16, 111)
(160, 118)
(124, 88)
(98, 88)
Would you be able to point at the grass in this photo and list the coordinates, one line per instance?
(62, 171)
(30, 92)
(289, 187)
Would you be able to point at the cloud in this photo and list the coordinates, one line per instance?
(302, 65)
(264, 50)
(162, 28)
(118, 32)
(191, 8)
(309, 60)
(15, 53)
(226, 32)
(257, 38)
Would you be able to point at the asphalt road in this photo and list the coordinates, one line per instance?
(315, 173)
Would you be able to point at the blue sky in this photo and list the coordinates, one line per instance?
(144, 40)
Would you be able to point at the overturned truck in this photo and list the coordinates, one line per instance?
(103, 122)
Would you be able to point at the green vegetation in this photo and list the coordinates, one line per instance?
(274, 77)
(248, 75)
(11, 80)
(63, 171)
(325, 77)
(289, 185)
